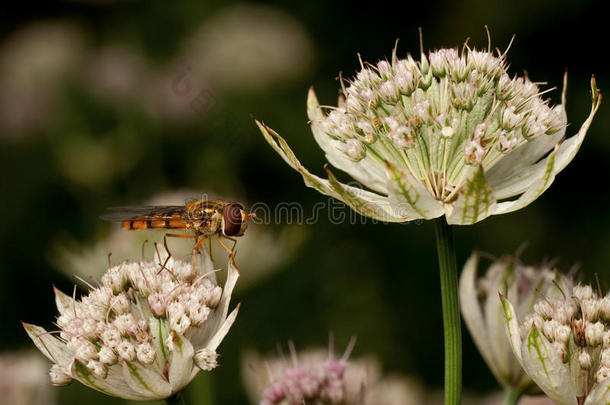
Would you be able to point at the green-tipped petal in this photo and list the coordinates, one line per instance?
(181, 363)
(372, 205)
(474, 202)
(512, 327)
(472, 314)
(160, 332)
(569, 148)
(366, 171)
(366, 203)
(510, 176)
(53, 348)
(146, 382)
(494, 319)
(114, 384)
(544, 365)
(544, 174)
(536, 179)
(409, 196)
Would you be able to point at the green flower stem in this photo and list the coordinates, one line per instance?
(512, 396)
(177, 399)
(451, 311)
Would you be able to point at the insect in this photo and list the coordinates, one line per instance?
(203, 218)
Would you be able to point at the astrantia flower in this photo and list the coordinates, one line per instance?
(452, 134)
(312, 381)
(564, 344)
(317, 377)
(482, 310)
(144, 332)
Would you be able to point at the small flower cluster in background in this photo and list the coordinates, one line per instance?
(318, 376)
(483, 314)
(563, 343)
(144, 332)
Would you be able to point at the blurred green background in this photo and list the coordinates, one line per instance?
(106, 103)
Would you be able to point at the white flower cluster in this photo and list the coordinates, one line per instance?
(578, 328)
(466, 104)
(106, 325)
(450, 134)
(482, 310)
(147, 323)
(564, 344)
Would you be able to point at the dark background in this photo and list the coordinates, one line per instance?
(79, 151)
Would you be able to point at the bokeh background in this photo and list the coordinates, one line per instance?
(106, 103)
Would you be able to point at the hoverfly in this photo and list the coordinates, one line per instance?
(203, 218)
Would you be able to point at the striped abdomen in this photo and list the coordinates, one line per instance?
(155, 224)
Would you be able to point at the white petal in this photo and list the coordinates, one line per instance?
(53, 348)
(508, 177)
(410, 197)
(568, 149)
(206, 332)
(114, 384)
(472, 314)
(369, 204)
(215, 340)
(512, 327)
(180, 364)
(537, 178)
(542, 174)
(63, 301)
(146, 382)
(475, 201)
(543, 364)
(494, 319)
(159, 330)
(365, 171)
(365, 202)
(600, 395)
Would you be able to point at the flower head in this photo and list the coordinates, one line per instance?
(313, 380)
(316, 376)
(144, 332)
(483, 314)
(563, 344)
(451, 134)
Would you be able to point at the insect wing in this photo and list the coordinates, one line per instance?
(144, 213)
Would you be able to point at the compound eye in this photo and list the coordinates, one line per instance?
(232, 219)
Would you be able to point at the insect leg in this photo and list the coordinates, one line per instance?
(210, 248)
(196, 249)
(230, 251)
(173, 235)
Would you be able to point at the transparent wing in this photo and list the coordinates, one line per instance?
(144, 212)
